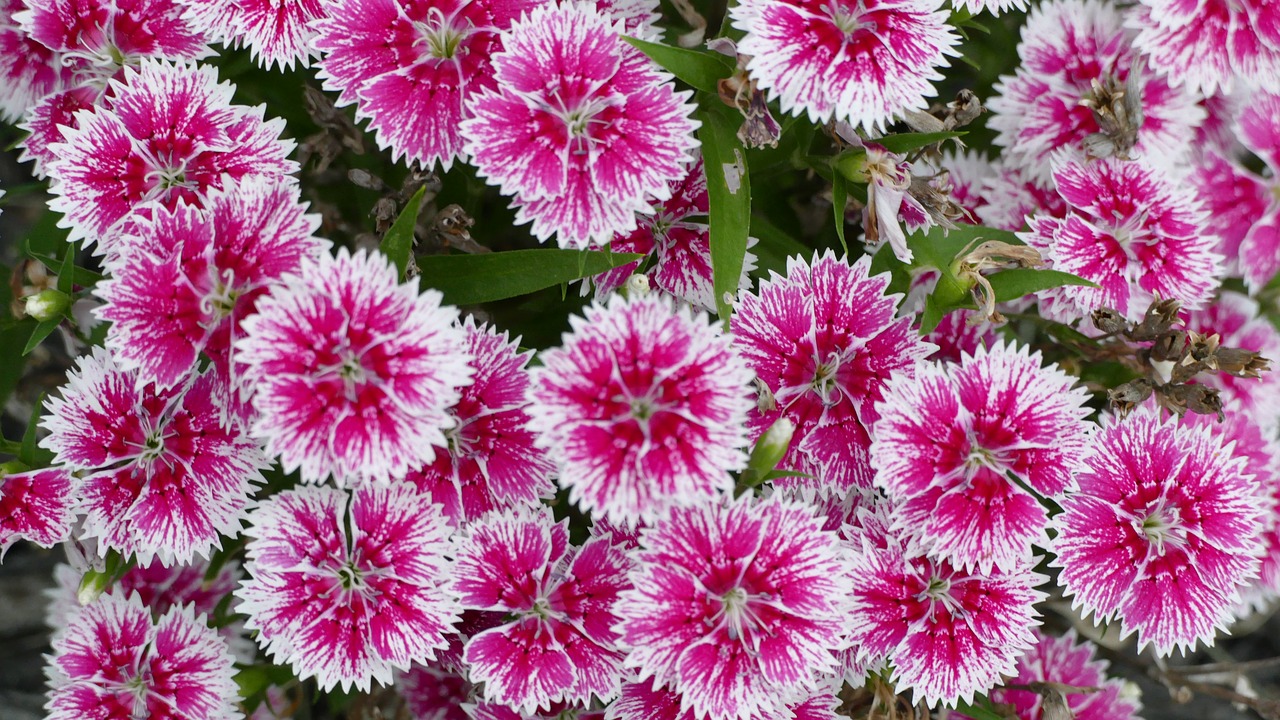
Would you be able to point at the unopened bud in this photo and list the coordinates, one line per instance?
(637, 286)
(768, 452)
(1241, 363)
(47, 304)
(1129, 395)
(92, 585)
(1159, 318)
(1109, 321)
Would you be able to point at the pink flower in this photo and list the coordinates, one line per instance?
(642, 407)
(28, 70)
(1067, 45)
(1070, 662)
(169, 134)
(861, 62)
(1010, 195)
(490, 460)
(823, 341)
(948, 439)
(559, 644)
(644, 701)
(275, 31)
(38, 505)
(113, 661)
(948, 633)
(1162, 533)
(167, 475)
(677, 241)
(432, 693)
(1132, 231)
(581, 127)
(737, 606)
(185, 278)
(344, 586)
(352, 372)
(1211, 45)
(93, 41)
(412, 68)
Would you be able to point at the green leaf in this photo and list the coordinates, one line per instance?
(839, 196)
(1013, 284)
(30, 453)
(981, 709)
(729, 196)
(700, 69)
(41, 331)
(475, 279)
(66, 273)
(906, 142)
(939, 250)
(397, 244)
(79, 275)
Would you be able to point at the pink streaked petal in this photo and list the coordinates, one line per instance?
(191, 665)
(416, 111)
(45, 120)
(30, 70)
(591, 586)
(98, 421)
(1260, 249)
(501, 559)
(277, 32)
(985, 523)
(522, 664)
(37, 506)
(580, 217)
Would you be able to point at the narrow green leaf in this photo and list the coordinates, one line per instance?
(729, 195)
(839, 196)
(79, 275)
(66, 273)
(397, 244)
(42, 331)
(1013, 284)
(981, 709)
(885, 261)
(700, 69)
(29, 452)
(474, 279)
(949, 294)
(906, 142)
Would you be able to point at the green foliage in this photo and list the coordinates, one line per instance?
(700, 69)
(475, 279)
(729, 192)
(397, 244)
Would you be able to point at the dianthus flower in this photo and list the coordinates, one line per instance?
(1009, 196)
(643, 406)
(559, 645)
(490, 460)
(92, 41)
(275, 31)
(1239, 322)
(344, 586)
(114, 661)
(1245, 205)
(352, 372)
(1133, 232)
(582, 129)
(677, 241)
(28, 70)
(1064, 661)
(949, 634)
(737, 605)
(1211, 45)
(413, 67)
(949, 438)
(644, 701)
(169, 134)
(1162, 532)
(168, 475)
(863, 62)
(823, 341)
(184, 278)
(1067, 46)
(37, 505)
(432, 693)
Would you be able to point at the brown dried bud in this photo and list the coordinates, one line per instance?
(963, 110)
(1109, 321)
(1118, 112)
(1170, 346)
(384, 214)
(922, 122)
(1203, 347)
(1159, 318)
(1199, 399)
(1241, 363)
(1130, 395)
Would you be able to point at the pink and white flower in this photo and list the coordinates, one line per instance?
(185, 278)
(823, 340)
(167, 475)
(559, 644)
(862, 62)
(1162, 533)
(949, 440)
(1211, 45)
(581, 128)
(275, 31)
(643, 406)
(114, 661)
(948, 633)
(737, 606)
(1133, 232)
(352, 371)
(345, 586)
(169, 134)
(37, 505)
(413, 68)
(677, 241)
(1067, 46)
(433, 693)
(491, 460)
(29, 70)
(1071, 663)
(91, 42)
(645, 701)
